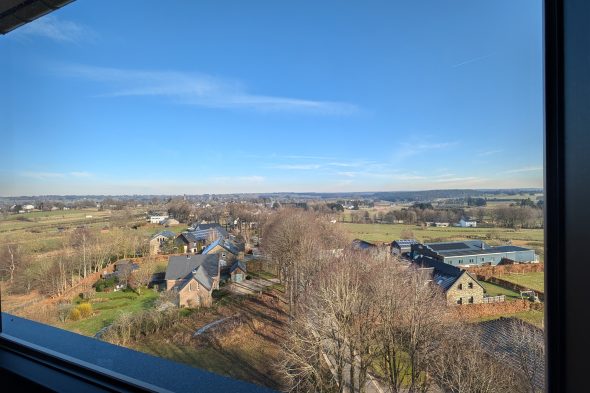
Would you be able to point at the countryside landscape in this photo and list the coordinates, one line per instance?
(100, 267)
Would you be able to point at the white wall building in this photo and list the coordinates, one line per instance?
(465, 223)
(157, 219)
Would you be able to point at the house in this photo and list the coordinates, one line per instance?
(467, 223)
(169, 222)
(238, 271)
(193, 278)
(191, 242)
(28, 208)
(227, 249)
(122, 270)
(402, 247)
(473, 253)
(158, 239)
(157, 218)
(221, 232)
(458, 285)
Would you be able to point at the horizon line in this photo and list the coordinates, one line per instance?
(279, 192)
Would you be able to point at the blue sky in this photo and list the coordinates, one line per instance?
(177, 97)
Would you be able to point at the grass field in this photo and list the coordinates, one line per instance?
(107, 306)
(390, 232)
(496, 290)
(533, 280)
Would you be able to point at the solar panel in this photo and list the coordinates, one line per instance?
(449, 246)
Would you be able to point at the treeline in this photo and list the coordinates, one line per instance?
(187, 212)
(353, 314)
(82, 252)
(512, 216)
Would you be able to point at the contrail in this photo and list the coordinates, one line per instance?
(472, 60)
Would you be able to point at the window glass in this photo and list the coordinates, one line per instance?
(302, 139)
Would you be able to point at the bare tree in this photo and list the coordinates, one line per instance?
(527, 347)
(461, 365)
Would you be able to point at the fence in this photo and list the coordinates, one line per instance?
(494, 299)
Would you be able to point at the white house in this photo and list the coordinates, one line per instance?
(157, 219)
(28, 207)
(465, 223)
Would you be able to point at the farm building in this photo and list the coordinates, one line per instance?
(473, 253)
(193, 278)
(402, 246)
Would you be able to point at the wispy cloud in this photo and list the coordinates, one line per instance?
(81, 174)
(57, 29)
(525, 169)
(490, 152)
(472, 60)
(200, 90)
(303, 167)
(55, 175)
(407, 149)
(43, 175)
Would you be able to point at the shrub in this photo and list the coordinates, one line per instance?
(103, 284)
(85, 310)
(63, 311)
(74, 314)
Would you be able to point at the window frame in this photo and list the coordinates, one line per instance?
(566, 35)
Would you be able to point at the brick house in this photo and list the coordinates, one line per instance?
(193, 278)
(459, 286)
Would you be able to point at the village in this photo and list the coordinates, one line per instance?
(209, 283)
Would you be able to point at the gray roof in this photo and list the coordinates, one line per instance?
(203, 267)
(444, 274)
(166, 234)
(457, 246)
(216, 226)
(359, 244)
(404, 242)
(237, 264)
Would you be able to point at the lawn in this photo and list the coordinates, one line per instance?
(105, 311)
(534, 280)
(496, 290)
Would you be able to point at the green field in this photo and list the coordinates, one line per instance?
(496, 290)
(533, 280)
(390, 232)
(105, 311)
